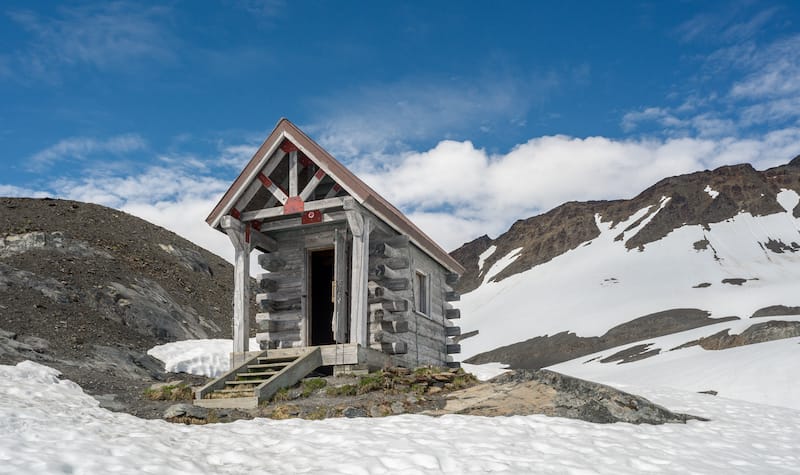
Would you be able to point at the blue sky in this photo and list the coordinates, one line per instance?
(467, 115)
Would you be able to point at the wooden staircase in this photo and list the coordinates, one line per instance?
(257, 379)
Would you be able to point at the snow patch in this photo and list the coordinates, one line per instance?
(486, 371)
(788, 199)
(763, 373)
(209, 357)
(711, 192)
(501, 264)
(485, 255)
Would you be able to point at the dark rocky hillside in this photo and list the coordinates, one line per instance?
(543, 237)
(88, 290)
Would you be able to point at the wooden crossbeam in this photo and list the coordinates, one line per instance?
(275, 212)
(312, 185)
(293, 173)
(273, 188)
(333, 191)
(287, 223)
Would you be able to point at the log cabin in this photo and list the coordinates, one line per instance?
(350, 282)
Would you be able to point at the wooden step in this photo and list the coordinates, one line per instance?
(249, 402)
(276, 359)
(233, 391)
(254, 382)
(267, 365)
(250, 375)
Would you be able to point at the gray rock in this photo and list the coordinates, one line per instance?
(559, 395)
(188, 258)
(21, 243)
(186, 410)
(352, 412)
(398, 407)
(146, 307)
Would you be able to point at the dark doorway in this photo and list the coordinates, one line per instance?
(321, 297)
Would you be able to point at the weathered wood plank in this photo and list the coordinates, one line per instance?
(266, 283)
(275, 316)
(385, 250)
(382, 271)
(274, 306)
(312, 185)
(360, 227)
(452, 313)
(395, 263)
(276, 212)
(452, 296)
(241, 287)
(397, 348)
(278, 326)
(451, 278)
(293, 173)
(452, 331)
(271, 262)
(395, 285)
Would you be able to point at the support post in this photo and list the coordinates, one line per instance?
(360, 227)
(237, 233)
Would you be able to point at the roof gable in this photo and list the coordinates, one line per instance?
(264, 184)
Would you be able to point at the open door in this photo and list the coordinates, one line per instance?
(320, 311)
(341, 285)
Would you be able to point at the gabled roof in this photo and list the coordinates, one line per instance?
(359, 190)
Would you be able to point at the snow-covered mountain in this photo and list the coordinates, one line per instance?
(719, 248)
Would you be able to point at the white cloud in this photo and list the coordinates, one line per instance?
(81, 147)
(775, 71)
(382, 119)
(109, 35)
(456, 192)
(13, 191)
(237, 156)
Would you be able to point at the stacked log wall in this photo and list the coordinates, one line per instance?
(424, 338)
(282, 290)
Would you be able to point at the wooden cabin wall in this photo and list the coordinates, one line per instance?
(281, 321)
(414, 339)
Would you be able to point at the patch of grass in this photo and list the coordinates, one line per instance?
(170, 392)
(284, 412)
(343, 390)
(371, 382)
(316, 414)
(281, 395)
(311, 385)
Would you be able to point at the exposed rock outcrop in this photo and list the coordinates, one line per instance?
(544, 351)
(524, 392)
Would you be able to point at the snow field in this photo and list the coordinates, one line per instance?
(601, 283)
(51, 427)
(765, 373)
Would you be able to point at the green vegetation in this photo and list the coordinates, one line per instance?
(281, 395)
(344, 390)
(311, 385)
(372, 382)
(170, 392)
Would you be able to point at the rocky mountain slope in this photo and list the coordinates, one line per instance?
(88, 290)
(690, 251)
